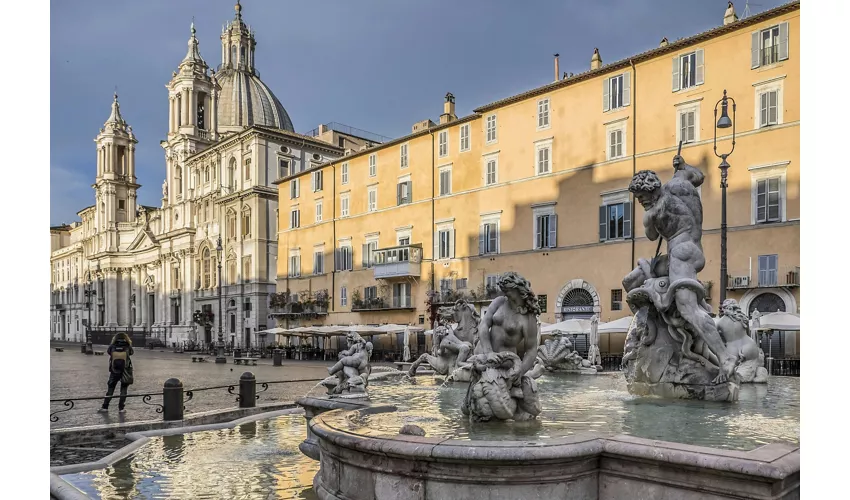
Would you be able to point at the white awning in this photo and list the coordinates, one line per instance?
(778, 321)
(568, 326)
(617, 326)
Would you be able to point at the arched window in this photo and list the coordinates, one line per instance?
(206, 270)
(246, 221)
(231, 224)
(242, 59)
(178, 177)
(231, 174)
(197, 180)
(233, 55)
(231, 271)
(206, 174)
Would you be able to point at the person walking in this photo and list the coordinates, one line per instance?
(120, 370)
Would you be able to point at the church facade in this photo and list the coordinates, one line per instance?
(140, 268)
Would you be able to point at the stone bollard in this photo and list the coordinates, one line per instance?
(247, 390)
(277, 357)
(172, 400)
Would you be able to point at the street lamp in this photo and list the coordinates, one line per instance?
(219, 357)
(88, 292)
(723, 122)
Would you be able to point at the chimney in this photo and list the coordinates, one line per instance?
(730, 16)
(448, 109)
(596, 60)
(664, 42)
(322, 128)
(557, 69)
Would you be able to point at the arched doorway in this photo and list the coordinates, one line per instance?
(776, 343)
(577, 300)
(766, 303)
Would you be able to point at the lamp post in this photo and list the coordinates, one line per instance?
(88, 292)
(723, 122)
(219, 357)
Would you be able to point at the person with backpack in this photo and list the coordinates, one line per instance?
(120, 370)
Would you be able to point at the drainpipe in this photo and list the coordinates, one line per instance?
(634, 150)
(433, 221)
(333, 242)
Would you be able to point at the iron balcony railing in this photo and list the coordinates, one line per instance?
(378, 304)
(349, 130)
(398, 261)
(769, 55)
(787, 276)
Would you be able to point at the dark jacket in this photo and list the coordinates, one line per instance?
(119, 345)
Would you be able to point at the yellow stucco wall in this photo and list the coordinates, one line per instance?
(579, 177)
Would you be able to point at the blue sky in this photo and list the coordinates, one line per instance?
(379, 65)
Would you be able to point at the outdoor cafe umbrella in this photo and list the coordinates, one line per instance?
(568, 326)
(779, 321)
(617, 326)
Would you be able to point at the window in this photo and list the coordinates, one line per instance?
(464, 137)
(545, 228)
(687, 119)
(461, 283)
(120, 204)
(445, 181)
(615, 221)
(345, 258)
(370, 293)
(294, 189)
(341, 141)
(294, 218)
(616, 141)
(768, 112)
(206, 271)
(616, 92)
(231, 174)
(444, 143)
(403, 156)
(368, 259)
(543, 114)
(491, 176)
(492, 282)
(231, 271)
(688, 70)
(401, 295)
(319, 261)
(404, 241)
(319, 211)
(343, 296)
(770, 45)
(543, 157)
(246, 222)
(231, 225)
(343, 205)
(373, 199)
(248, 169)
(445, 284)
(373, 165)
(768, 270)
(207, 173)
(488, 237)
(445, 244)
(404, 191)
(294, 263)
(768, 200)
(344, 179)
(316, 180)
(616, 300)
(491, 129)
(542, 302)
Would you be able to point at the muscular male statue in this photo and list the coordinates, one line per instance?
(673, 211)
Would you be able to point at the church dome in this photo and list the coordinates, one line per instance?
(245, 101)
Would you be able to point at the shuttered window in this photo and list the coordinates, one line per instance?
(373, 199)
(344, 179)
(543, 113)
(768, 270)
(316, 181)
(615, 144)
(545, 231)
(295, 219)
(444, 143)
(464, 137)
(543, 155)
(768, 108)
(687, 126)
(343, 296)
(318, 262)
(491, 128)
(294, 188)
(488, 238)
(343, 205)
(615, 221)
(491, 176)
(373, 165)
(403, 155)
(768, 200)
(445, 181)
(344, 258)
(319, 211)
(688, 70)
(404, 193)
(616, 91)
(770, 45)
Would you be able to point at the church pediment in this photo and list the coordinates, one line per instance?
(145, 239)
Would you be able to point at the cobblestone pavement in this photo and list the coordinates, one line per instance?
(73, 374)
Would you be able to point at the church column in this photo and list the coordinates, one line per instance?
(128, 291)
(186, 107)
(172, 113)
(142, 301)
(188, 305)
(110, 302)
(131, 162)
(177, 112)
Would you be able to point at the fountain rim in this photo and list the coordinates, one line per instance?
(774, 461)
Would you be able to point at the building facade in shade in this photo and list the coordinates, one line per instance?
(150, 268)
(538, 183)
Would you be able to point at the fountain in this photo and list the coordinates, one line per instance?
(520, 430)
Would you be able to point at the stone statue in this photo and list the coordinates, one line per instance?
(756, 324)
(501, 386)
(593, 354)
(557, 354)
(673, 349)
(734, 327)
(452, 346)
(165, 189)
(353, 368)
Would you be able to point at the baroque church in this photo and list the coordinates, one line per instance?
(148, 269)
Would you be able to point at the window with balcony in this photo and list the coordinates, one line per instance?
(542, 114)
(768, 270)
(770, 45)
(616, 92)
(464, 137)
(370, 293)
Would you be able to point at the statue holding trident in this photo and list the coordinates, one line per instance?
(668, 296)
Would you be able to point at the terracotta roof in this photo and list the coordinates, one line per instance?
(649, 54)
